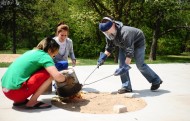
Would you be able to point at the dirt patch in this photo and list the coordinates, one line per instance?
(8, 58)
(99, 103)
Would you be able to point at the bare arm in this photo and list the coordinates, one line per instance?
(107, 53)
(59, 77)
(128, 60)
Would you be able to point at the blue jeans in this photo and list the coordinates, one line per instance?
(145, 70)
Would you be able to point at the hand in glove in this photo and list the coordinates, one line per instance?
(122, 70)
(101, 59)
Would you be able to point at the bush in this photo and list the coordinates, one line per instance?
(169, 46)
(5, 42)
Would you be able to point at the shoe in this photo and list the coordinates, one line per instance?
(156, 86)
(39, 105)
(21, 103)
(124, 90)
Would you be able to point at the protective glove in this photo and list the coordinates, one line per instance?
(101, 59)
(122, 70)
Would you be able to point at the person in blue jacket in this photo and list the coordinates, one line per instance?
(131, 43)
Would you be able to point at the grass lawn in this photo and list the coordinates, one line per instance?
(183, 58)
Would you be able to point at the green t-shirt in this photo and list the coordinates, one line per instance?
(24, 66)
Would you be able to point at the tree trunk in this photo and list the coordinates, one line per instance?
(156, 33)
(152, 55)
(187, 41)
(14, 27)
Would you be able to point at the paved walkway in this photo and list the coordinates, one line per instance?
(170, 103)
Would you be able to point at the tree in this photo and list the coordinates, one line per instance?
(11, 6)
(83, 22)
(11, 12)
(162, 17)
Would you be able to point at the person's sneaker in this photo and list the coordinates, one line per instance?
(156, 86)
(124, 90)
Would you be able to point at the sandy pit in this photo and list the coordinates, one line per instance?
(98, 103)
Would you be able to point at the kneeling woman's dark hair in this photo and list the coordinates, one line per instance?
(48, 44)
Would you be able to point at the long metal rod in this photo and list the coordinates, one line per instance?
(98, 80)
(89, 75)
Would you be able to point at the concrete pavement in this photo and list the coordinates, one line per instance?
(170, 103)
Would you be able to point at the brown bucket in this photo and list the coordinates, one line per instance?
(71, 86)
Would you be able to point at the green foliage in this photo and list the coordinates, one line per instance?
(83, 31)
(5, 42)
(148, 35)
(167, 46)
(36, 19)
(187, 46)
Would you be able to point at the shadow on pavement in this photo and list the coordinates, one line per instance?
(70, 105)
(149, 93)
(90, 90)
(23, 108)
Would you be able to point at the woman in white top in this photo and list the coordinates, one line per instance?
(66, 47)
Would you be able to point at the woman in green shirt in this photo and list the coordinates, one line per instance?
(31, 74)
